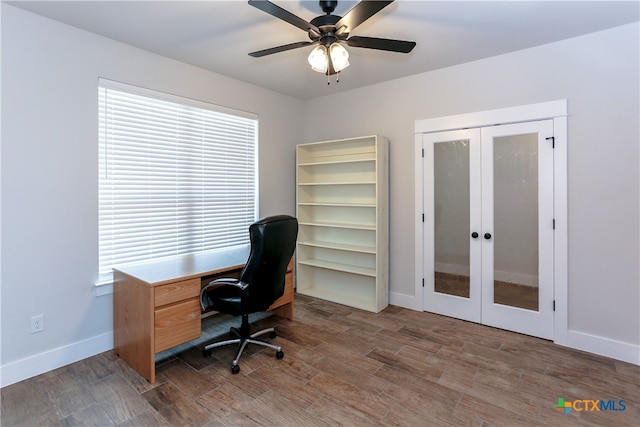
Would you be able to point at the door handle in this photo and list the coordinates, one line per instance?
(487, 236)
(474, 235)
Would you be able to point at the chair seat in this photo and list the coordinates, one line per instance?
(231, 305)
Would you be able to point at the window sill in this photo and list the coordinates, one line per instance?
(103, 288)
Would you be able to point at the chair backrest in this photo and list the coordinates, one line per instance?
(273, 240)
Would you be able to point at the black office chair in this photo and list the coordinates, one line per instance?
(261, 282)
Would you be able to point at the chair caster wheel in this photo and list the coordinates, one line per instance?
(206, 353)
(235, 369)
(272, 334)
(279, 355)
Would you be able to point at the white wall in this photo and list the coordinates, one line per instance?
(49, 177)
(599, 76)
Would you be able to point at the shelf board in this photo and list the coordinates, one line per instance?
(371, 227)
(346, 205)
(336, 162)
(339, 183)
(345, 268)
(339, 246)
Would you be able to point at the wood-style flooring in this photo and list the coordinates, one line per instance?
(342, 366)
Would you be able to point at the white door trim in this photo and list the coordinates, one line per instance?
(503, 116)
(555, 110)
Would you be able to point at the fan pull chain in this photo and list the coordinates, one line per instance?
(329, 78)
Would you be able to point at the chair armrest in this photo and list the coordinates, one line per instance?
(223, 281)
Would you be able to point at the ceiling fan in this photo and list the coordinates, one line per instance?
(329, 32)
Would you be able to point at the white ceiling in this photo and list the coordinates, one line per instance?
(218, 35)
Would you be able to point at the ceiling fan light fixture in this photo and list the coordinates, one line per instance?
(329, 32)
(318, 59)
(339, 56)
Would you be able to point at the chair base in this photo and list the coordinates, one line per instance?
(244, 338)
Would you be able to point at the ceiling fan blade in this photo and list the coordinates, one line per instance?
(285, 15)
(401, 46)
(282, 48)
(360, 13)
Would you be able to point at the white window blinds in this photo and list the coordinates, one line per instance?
(176, 176)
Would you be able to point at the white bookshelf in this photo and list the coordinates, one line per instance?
(342, 196)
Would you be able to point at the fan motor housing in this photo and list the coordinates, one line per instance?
(327, 26)
(326, 21)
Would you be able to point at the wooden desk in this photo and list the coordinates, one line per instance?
(156, 305)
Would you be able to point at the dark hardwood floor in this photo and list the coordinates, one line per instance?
(342, 366)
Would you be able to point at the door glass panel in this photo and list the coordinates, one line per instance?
(515, 181)
(451, 217)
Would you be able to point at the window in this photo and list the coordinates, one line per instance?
(176, 176)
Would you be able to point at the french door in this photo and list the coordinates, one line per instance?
(488, 225)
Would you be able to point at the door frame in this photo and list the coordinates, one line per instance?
(553, 110)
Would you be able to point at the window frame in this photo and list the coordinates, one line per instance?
(106, 277)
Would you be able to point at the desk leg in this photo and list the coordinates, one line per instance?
(133, 331)
(285, 311)
(283, 306)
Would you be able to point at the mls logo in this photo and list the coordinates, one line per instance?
(589, 405)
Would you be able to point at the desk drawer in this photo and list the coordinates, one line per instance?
(175, 292)
(176, 324)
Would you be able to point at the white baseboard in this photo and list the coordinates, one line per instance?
(577, 340)
(604, 346)
(405, 301)
(37, 364)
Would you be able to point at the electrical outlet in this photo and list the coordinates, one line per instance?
(37, 323)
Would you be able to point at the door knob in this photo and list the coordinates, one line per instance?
(487, 236)
(474, 235)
